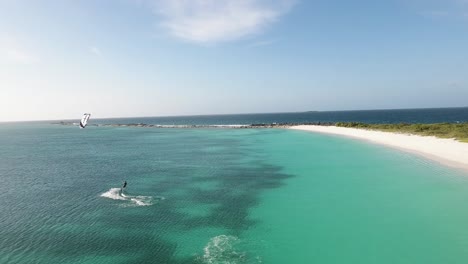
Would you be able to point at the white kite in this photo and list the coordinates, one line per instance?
(84, 120)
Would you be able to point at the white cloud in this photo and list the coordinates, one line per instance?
(96, 51)
(11, 51)
(213, 21)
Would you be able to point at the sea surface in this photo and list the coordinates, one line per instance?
(224, 196)
(436, 115)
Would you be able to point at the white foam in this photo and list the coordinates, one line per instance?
(221, 249)
(142, 200)
(115, 194)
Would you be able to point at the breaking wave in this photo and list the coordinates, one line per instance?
(115, 194)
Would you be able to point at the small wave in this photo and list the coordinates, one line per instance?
(115, 194)
(222, 249)
(142, 200)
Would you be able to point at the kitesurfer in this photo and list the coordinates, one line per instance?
(123, 187)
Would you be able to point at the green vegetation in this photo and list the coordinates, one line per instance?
(443, 130)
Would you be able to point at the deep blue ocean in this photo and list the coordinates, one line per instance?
(436, 115)
(392, 116)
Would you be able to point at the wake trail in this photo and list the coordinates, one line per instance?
(138, 200)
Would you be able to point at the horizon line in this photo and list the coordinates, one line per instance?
(257, 113)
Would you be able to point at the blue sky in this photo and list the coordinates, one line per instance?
(117, 58)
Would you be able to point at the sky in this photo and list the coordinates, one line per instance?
(127, 58)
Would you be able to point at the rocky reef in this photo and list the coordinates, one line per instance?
(243, 126)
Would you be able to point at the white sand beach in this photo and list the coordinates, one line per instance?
(446, 151)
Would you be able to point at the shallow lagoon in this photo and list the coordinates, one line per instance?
(222, 196)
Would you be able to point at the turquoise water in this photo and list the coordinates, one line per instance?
(222, 196)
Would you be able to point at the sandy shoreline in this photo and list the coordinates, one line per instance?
(446, 151)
